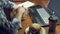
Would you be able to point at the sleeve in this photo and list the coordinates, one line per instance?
(17, 23)
(8, 3)
(13, 26)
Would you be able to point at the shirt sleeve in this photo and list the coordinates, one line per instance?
(8, 3)
(11, 27)
(17, 23)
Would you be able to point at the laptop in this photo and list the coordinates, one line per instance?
(39, 15)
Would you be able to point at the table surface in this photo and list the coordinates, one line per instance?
(28, 21)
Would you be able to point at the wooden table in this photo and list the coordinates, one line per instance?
(28, 21)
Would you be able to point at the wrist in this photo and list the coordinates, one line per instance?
(19, 16)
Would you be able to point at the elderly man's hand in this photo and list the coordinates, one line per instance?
(23, 11)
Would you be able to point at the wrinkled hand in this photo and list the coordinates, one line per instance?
(22, 11)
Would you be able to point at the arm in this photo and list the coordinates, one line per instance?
(20, 11)
(14, 25)
(14, 6)
(19, 14)
(15, 20)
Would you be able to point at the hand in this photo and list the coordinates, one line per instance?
(15, 6)
(22, 12)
